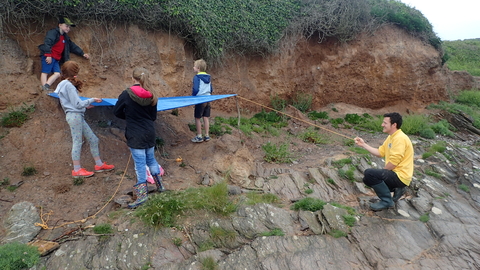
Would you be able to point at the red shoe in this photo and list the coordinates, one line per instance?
(104, 168)
(82, 173)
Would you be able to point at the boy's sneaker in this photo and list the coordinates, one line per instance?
(46, 88)
(206, 138)
(197, 139)
(104, 168)
(82, 173)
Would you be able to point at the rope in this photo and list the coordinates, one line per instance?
(45, 226)
(296, 118)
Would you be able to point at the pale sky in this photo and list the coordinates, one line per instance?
(451, 19)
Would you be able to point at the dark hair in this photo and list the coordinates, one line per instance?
(395, 118)
(70, 71)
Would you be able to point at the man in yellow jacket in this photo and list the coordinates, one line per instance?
(397, 173)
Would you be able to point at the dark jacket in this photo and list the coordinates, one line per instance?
(140, 116)
(52, 37)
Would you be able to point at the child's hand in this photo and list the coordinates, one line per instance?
(86, 56)
(98, 100)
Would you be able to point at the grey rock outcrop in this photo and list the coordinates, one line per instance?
(20, 223)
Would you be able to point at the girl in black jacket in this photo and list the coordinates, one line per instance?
(138, 106)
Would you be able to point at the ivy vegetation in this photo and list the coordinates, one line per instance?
(244, 27)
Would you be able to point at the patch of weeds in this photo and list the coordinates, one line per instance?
(464, 187)
(163, 209)
(312, 136)
(434, 174)
(341, 162)
(159, 142)
(277, 154)
(350, 210)
(443, 127)
(104, 123)
(371, 124)
(77, 181)
(12, 188)
(331, 181)
(207, 245)
(104, 228)
(174, 112)
(414, 124)
(314, 115)
(222, 237)
(338, 233)
(18, 256)
(254, 198)
(208, 263)
(354, 119)
(273, 177)
(336, 122)
(334, 109)
(278, 103)
(348, 142)
(439, 146)
(29, 171)
(177, 241)
(308, 204)
(273, 232)
(309, 191)
(146, 266)
(427, 133)
(5, 182)
(349, 220)
(424, 218)
(16, 118)
(359, 150)
(302, 101)
(182, 164)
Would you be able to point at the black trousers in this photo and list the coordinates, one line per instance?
(372, 177)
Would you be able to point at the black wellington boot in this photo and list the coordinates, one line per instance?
(398, 193)
(383, 192)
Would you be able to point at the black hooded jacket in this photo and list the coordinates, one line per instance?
(52, 37)
(140, 116)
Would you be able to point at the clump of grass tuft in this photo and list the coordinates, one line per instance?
(425, 218)
(302, 101)
(273, 232)
(278, 103)
(29, 171)
(208, 263)
(104, 228)
(164, 209)
(349, 220)
(312, 136)
(314, 115)
(16, 118)
(464, 187)
(308, 204)
(277, 154)
(18, 256)
(338, 233)
(254, 198)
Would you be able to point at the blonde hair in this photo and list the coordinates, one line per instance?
(142, 76)
(201, 65)
(70, 71)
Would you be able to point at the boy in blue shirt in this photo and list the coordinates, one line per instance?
(202, 86)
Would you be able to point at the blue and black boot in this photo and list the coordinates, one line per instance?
(140, 191)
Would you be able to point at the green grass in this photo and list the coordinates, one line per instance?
(29, 171)
(314, 115)
(302, 101)
(463, 55)
(208, 263)
(16, 256)
(464, 187)
(164, 209)
(103, 229)
(434, 174)
(349, 220)
(273, 232)
(222, 237)
(277, 153)
(311, 135)
(254, 198)
(338, 233)
(341, 162)
(425, 218)
(308, 204)
(16, 118)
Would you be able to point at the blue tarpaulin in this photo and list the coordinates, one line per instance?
(164, 103)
